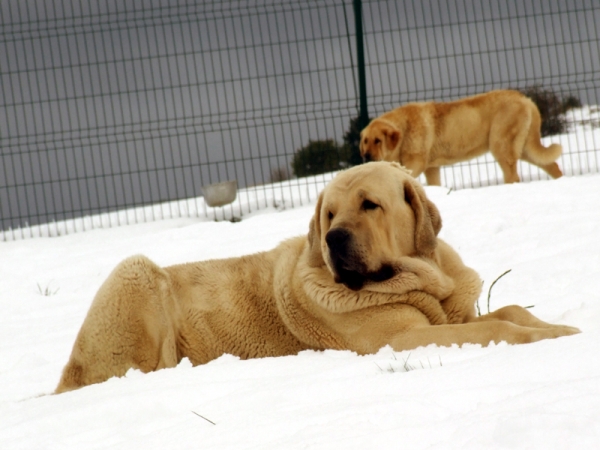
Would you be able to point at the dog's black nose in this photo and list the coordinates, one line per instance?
(367, 158)
(337, 239)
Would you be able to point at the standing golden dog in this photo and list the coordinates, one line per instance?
(424, 136)
(371, 272)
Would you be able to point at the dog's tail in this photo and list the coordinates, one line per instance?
(534, 151)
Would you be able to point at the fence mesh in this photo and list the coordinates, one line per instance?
(113, 106)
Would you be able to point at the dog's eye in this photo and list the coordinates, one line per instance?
(330, 215)
(377, 141)
(368, 205)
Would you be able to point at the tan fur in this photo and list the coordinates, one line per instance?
(425, 136)
(371, 272)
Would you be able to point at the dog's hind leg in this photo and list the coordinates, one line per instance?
(507, 138)
(506, 151)
(551, 169)
(509, 169)
(535, 152)
(130, 324)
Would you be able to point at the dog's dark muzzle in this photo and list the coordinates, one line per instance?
(347, 264)
(339, 241)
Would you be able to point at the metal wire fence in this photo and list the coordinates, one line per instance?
(114, 106)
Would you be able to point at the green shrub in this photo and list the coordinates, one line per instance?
(352, 141)
(552, 108)
(319, 157)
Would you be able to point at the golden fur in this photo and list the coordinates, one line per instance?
(425, 136)
(371, 272)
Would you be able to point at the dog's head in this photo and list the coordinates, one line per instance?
(379, 140)
(366, 218)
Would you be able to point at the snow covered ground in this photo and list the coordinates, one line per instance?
(543, 395)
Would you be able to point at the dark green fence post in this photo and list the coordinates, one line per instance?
(360, 61)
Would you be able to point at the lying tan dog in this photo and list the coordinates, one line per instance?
(371, 272)
(424, 136)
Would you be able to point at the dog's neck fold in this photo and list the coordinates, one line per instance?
(414, 274)
(416, 280)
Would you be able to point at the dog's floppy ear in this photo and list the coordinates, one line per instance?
(428, 221)
(392, 136)
(315, 256)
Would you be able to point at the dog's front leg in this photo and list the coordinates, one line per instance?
(432, 175)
